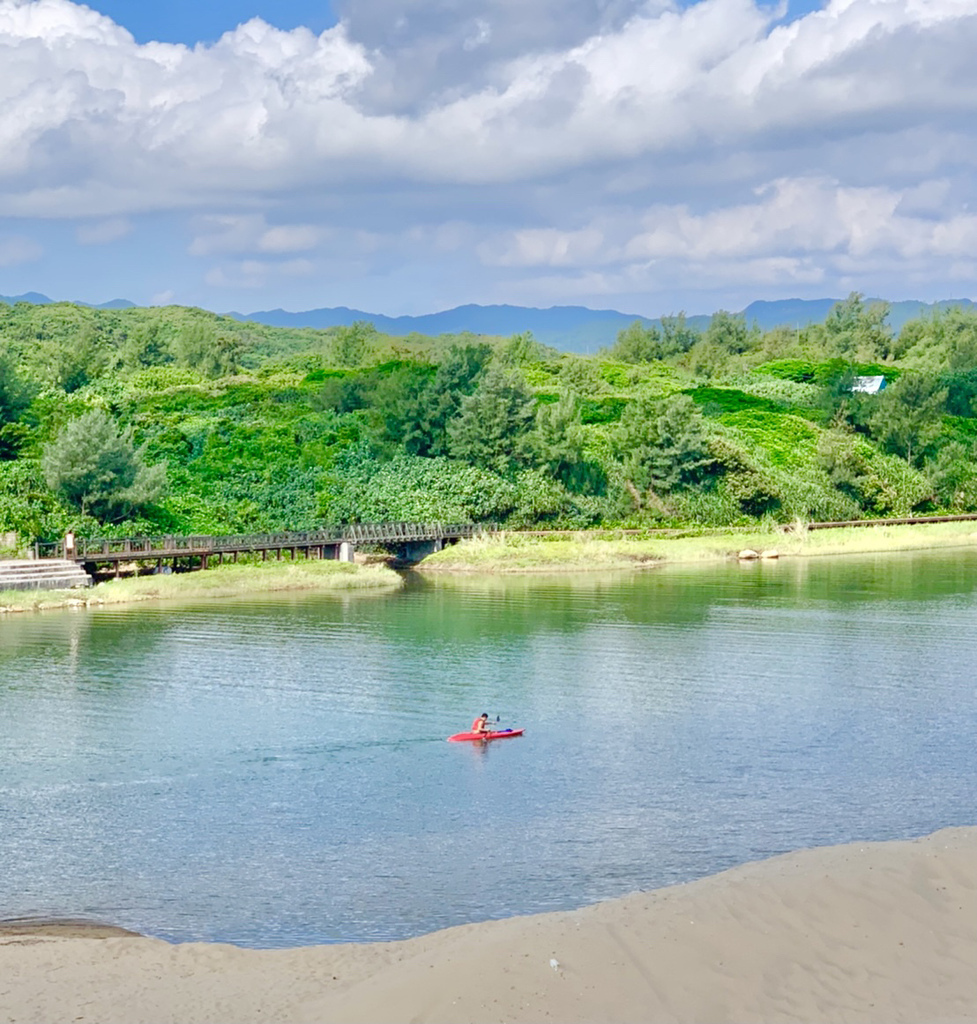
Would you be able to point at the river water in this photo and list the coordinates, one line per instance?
(273, 772)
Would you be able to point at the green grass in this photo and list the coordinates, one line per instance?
(222, 581)
(731, 400)
(787, 440)
(514, 553)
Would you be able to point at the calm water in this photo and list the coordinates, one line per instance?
(274, 772)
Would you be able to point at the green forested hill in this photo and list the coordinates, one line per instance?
(178, 420)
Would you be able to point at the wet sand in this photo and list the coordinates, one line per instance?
(59, 928)
(863, 932)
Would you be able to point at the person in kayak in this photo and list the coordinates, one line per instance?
(481, 724)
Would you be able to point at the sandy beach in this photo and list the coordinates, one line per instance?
(862, 932)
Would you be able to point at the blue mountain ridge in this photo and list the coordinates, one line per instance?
(37, 299)
(573, 328)
(568, 328)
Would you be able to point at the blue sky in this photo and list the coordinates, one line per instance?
(403, 156)
(190, 21)
(193, 21)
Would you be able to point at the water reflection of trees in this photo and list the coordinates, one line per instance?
(67, 641)
(465, 611)
(688, 594)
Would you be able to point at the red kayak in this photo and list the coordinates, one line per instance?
(502, 734)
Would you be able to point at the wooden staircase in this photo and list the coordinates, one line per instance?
(44, 574)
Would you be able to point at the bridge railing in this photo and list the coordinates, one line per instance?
(386, 533)
(173, 545)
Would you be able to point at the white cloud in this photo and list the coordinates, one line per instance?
(16, 249)
(289, 238)
(656, 287)
(85, 109)
(253, 274)
(424, 49)
(247, 233)
(103, 232)
(481, 35)
(794, 233)
(607, 141)
(544, 246)
(809, 216)
(247, 274)
(806, 217)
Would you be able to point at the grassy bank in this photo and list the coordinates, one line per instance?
(513, 552)
(222, 581)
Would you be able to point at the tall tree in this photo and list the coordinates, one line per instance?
(637, 343)
(146, 346)
(352, 346)
(96, 467)
(417, 405)
(954, 476)
(728, 332)
(402, 401)
(14, 400)
(209, 352)
(908, 416)
(492, 424)
(664, 446)
(581, 376)
(523, 349)
(858, 331)
(457, 376)
(677, 334)
(70, 362)
(559, 443)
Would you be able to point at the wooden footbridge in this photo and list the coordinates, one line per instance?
(408, 542)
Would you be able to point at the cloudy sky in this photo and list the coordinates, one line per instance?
(405, 156)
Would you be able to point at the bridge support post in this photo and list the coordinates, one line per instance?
(346, 552)
(415, 550)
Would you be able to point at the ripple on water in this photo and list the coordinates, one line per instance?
(274, 772)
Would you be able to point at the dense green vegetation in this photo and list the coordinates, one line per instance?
(178, 420)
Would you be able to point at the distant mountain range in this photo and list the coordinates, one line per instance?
(569, 328)
(37, 299)
(572, 328)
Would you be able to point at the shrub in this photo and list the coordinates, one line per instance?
(724, 400)
(603, 410)
(754, 491)
(414, 489)
(802, 371)
(786, 440)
